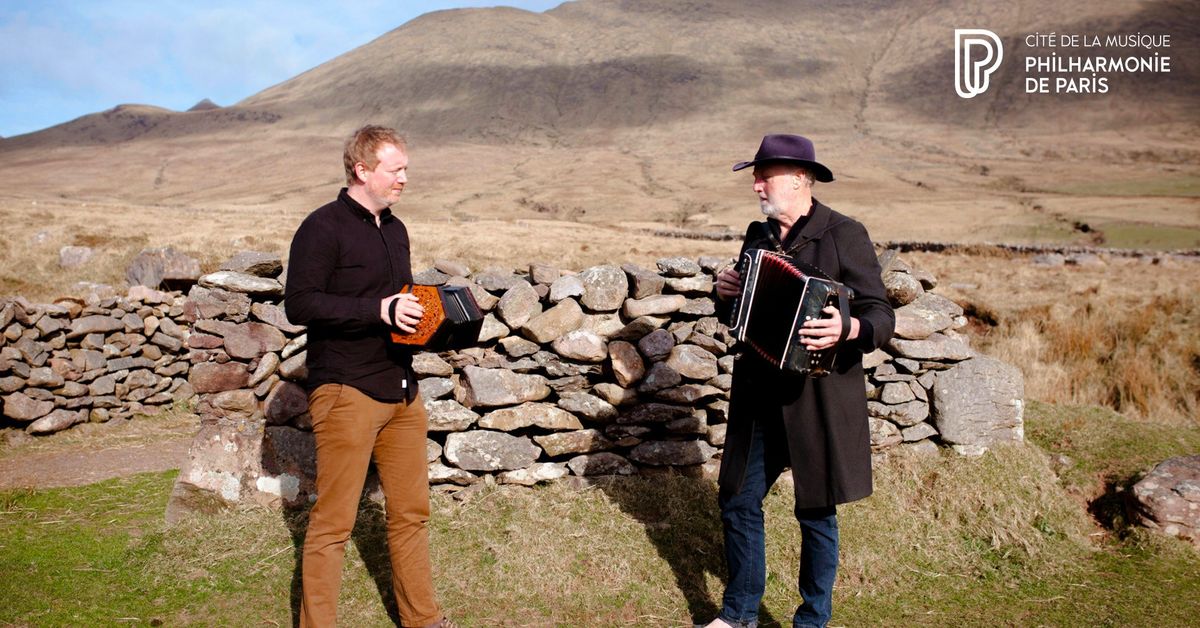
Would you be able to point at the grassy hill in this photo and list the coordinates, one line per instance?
(621, 112)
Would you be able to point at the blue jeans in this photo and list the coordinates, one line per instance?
(746, 556)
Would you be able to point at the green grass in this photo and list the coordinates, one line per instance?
(1106, 453)
(1181, 185)
(73, 557)
(1127, 235)
(998, 540)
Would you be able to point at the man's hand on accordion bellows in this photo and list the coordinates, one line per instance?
(823, 333)
(407, 311)
(729, 283)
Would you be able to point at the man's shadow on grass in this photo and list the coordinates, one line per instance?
(370, 539)
(683, 521)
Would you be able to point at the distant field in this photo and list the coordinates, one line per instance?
(1180, 185)
(1153, 237)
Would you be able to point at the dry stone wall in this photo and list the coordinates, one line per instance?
(611, 370)
(94, 357)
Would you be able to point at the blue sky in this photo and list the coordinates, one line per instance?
(61, 59)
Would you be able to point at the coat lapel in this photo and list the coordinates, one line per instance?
(813, 229)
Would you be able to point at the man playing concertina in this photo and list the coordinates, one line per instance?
(817, 426)
(348, 262)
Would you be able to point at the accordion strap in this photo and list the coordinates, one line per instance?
(394, 303)
(844, 310)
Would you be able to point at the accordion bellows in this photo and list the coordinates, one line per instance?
(777, 298)
(452, 319)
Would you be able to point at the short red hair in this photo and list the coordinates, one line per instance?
(363, 146)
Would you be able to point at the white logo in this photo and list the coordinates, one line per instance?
(971, 76)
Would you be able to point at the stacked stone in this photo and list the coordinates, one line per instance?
(96, 357)
(607, 371)
(928, 386)
(612, 370)
(247, 365)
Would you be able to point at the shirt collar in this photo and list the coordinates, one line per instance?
(362, 212)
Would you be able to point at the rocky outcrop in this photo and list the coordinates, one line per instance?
(1168, 498)
(977, 403)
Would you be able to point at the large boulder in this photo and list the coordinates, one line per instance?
(163, 267)
(94, 324)
(604, 288)
(255, 263)
(672, 453)
(22, 407)
(656, 345)
(1168, 498)
(903, 414)
(275, 316)
(692, 362)
(902, 288)
(205, 303)
(243, 283)
(577, 442)
(57, 421)
(554, 322)
(600, 463)
(534, 474)
(644, 283)
(499, 387)
(74, 256)
(210, 377)
(653, 305)
(484, 450)
(222, 469)
(678, 267)
(581, 345)
(937, 346)
(519, 304)
(251, 340)
(978, 403)
(588, 406)
(928, 314)
(448, 415)
(566, 287)
(626, 363)
(544, 415)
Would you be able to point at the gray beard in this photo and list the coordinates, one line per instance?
(769, 210)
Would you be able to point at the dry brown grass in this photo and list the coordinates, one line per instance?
(1140, 358)
(1124, 334)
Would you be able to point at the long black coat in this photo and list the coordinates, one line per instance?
(818, 426)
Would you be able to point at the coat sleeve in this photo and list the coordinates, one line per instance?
(311, 263)
(861, 271)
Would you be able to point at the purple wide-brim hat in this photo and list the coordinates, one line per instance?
(789, 148)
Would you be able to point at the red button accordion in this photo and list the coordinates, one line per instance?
(777, 298)
(452, 319)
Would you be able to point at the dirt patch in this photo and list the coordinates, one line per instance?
(95, 452)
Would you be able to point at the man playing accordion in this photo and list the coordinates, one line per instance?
(779, 419)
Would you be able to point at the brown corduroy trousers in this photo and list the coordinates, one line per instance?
(350, 428)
